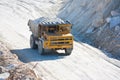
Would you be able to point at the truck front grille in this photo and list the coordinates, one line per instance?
(66, 40)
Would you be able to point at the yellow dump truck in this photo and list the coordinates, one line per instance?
(50, 34)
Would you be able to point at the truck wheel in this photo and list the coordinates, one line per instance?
(68, 51)
(32, 42)
(40, 48)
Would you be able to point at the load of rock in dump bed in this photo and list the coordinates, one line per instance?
(50, 21)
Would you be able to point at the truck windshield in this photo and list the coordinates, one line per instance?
(54, 29)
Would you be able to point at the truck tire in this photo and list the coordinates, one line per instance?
(40, 48)
(32, 42)
(68, 51)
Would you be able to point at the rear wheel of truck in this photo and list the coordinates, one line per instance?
(32, 42)
(40, 48)
(68, 51)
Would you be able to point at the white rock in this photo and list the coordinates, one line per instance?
(11, 66)
(2, 69)
(115, 13)
(114, 21)
(4, 76)
(117, 28)
(108, 20)
(90, 30)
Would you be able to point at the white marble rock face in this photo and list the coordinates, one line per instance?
(91, 18)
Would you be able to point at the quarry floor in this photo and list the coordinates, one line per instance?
(85, 62)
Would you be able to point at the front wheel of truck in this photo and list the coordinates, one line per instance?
(68, 51)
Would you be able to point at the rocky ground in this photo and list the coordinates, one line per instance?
(107, 37)
(11, 68)
(85, 63)
(90, 25)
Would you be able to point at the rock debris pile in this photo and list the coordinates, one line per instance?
(108, 36)
(11, 68)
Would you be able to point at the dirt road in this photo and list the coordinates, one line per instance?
(85, 62)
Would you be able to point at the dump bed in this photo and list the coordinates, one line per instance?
(34, 25)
